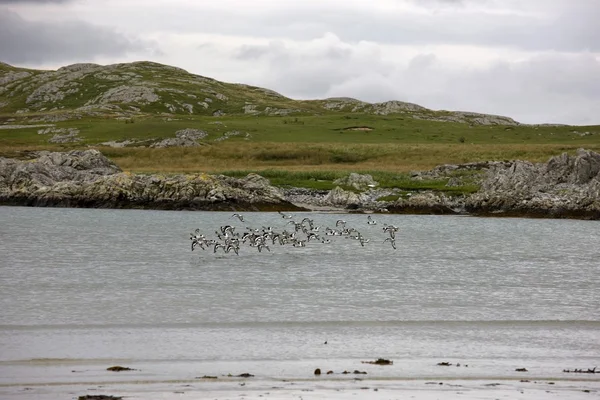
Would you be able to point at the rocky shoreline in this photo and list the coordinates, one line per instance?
(564, 187)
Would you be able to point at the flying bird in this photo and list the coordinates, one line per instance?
(239, 216)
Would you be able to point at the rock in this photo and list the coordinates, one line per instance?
(250, 109)
(318, 371)
(118, 368)
(391, 107)
(582, 371)
(379, 361)
(121, 144)
(245, 375)
(68, 138)
(357, 181)
(444, 364)
(99, 397)
(342, 198)
(231, 134)
(184, 138)
(565, 186)
(88, 179)
(127, 94)
(521, 370)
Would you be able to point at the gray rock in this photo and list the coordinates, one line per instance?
(567, 186)
(127, 94)
(357, 181)
(65, 138)
(183, 138)
(230, 134)
(250, 109)
(390, 107)
(13, 76)
(88, 179)
(343, 198)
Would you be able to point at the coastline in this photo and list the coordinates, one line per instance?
(564, 187)
(309, 388)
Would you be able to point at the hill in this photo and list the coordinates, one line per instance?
(153, 118)
(151, 88)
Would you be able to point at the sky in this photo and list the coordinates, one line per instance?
(537, 61)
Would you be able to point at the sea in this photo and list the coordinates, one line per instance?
(82, 290)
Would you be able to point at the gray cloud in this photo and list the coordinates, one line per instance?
(561, 88)
(33, 1)
(535, 25)
(26, 41)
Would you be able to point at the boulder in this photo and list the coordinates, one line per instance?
(357, 181)
(342, 198)
(565, 186)
(88, 179)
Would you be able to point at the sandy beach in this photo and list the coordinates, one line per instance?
(236, 388)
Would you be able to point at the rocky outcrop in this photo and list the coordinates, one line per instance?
(357, 181)
(147, 88)
(565, 186)
(88, 179)
(183, 138)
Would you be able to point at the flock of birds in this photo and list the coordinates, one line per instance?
(296, 234)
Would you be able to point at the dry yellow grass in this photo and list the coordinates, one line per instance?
(311, 156)
(324, 156)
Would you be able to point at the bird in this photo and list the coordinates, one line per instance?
(239, 216)
(392, 241)
(371, 221)
(287, 216)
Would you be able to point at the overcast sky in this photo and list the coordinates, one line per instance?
(534, 60)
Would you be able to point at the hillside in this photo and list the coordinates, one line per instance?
(150, 118)
(151, 88)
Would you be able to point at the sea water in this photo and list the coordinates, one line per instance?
(85, 289)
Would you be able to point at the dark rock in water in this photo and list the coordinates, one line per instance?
(99, 397)
(521, 370)
(444, 364)
(379, 361)
(245, 375)
(118, 368)
(329, 372)
(360, 372)
(207, 377)
(582, 371)
(318, 371)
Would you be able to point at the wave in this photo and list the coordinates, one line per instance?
(310, 324)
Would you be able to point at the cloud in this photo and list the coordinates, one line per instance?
(33, 1)
(534, 25)
(538, 88)
(27, 42)
(535, 60)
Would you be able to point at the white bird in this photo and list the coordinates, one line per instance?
(392, 241)
(239, 216)
(287, 216)
(371, 221)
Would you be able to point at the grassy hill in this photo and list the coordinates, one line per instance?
(246, 128)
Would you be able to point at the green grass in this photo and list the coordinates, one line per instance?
(307, 149)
